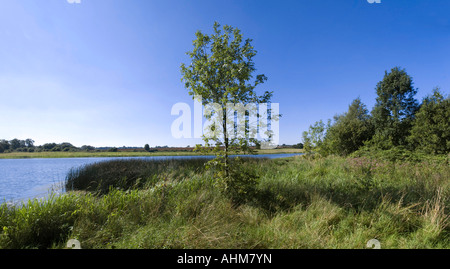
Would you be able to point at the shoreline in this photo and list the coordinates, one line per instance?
(58, 154)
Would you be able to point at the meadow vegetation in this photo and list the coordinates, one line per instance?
(297, 202)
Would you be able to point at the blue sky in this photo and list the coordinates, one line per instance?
(107, 72)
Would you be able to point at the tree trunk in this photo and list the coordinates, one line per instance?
(225, 142)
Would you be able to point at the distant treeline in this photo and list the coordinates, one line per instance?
(397, 123)
(27, 145)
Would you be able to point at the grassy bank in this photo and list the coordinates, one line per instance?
(83, 154)
(300, 203)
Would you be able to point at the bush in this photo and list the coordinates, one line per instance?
(350, 130)
(430, 132)
(399, 154)
(241, 184)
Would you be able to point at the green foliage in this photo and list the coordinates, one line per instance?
(395, 108)
(314, 138)
(350, 130)
(147, 147)
(431, 128)
(222, 65)
(4, 145)
(397, 129)
(16, 143)
(87, 148)
(49, 146)
(221, 73)
(240, 185)
(298, 146)
(27, 145)
(38, 223)
(398, 154)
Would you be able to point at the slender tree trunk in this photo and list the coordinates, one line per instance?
(225, 135)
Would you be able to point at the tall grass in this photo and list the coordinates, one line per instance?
(38, 223)
(130, 173)
(332, 202)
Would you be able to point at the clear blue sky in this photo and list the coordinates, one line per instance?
(107, 72)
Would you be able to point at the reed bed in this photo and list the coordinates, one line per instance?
(130, 173)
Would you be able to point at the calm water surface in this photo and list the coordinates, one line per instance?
(22, 179)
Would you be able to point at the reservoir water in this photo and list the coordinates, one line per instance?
(22, 179)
